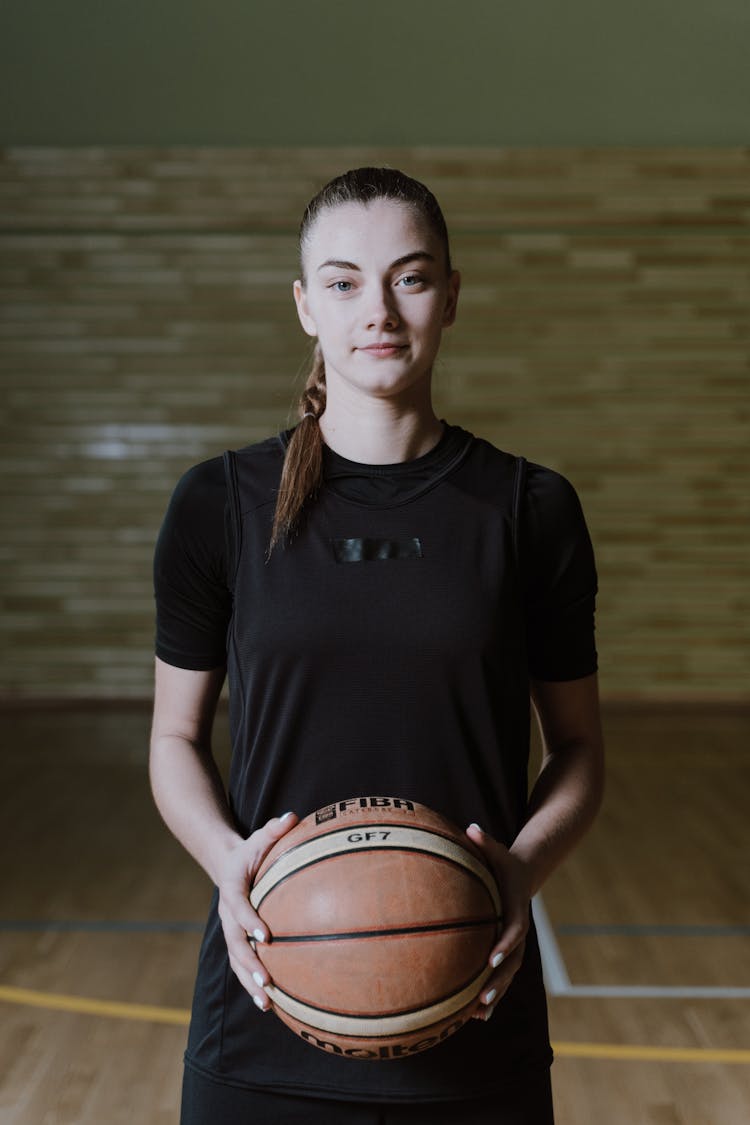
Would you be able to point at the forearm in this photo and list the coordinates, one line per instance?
(185, 780)
(189, 793)
(569, 788)
(562, 807)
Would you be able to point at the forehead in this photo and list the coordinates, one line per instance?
(382, 230)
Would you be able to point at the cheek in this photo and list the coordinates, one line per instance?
(333, 342)
(432, 325)
(334, 324)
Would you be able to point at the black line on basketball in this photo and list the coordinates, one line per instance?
(396, 931)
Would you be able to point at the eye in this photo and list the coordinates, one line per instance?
(341, 286)
(410, 280)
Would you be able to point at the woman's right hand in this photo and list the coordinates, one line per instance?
(243, 928)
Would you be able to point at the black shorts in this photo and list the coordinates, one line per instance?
(206, 1102)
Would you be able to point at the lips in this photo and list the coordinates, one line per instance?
(383, 349)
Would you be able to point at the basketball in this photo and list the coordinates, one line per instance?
(382, 916)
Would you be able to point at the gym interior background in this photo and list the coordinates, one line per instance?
(594, 168)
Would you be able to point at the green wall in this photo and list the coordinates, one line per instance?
(301, 72)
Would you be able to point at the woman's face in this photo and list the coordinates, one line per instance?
(377, 296)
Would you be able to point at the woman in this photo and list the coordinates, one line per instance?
(385, 592)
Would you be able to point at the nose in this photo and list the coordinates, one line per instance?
(381, 310)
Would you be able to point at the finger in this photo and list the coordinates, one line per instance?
(485, 1013)
(235, 905)
(515, 921)
(512, 937)
(247, 967)
(235, 889)
(251, 986)
(262, 841)
(500, 980)
(272, 831)
(498, 984)
(477, 834)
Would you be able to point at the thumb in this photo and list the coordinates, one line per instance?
(273, 830)
(495, 852)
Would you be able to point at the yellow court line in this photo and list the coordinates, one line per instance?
(116, 1009)
(181, 1016)
(650, 1054)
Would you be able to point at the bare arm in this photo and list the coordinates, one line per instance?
(570, 785)
(185, 780)
(563, 803)
(190, 796)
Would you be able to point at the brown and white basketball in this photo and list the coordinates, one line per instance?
(382, 916)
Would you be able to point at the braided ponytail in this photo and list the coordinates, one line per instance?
(303, 463)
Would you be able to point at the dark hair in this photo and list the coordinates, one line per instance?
(303, 462)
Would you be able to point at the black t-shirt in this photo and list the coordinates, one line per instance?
(194, 602)
(386, 650)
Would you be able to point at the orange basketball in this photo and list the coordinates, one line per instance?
(382, 917)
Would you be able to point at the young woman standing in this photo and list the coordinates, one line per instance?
(385, 593)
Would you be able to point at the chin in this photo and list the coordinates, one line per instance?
(391, 388)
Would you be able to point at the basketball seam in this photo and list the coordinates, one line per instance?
(394, 931)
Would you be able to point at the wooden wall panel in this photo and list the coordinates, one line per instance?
(147, 323)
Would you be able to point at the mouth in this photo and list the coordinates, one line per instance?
(384, 350)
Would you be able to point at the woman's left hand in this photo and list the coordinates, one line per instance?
(514, 884)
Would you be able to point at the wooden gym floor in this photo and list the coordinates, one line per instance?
(644, 930)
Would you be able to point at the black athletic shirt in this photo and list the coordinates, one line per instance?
(387, 650)
(194, 604)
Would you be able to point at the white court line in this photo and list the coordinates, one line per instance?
(556, 979)
(558, 983)
(647, 991)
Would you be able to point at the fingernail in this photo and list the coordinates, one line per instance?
(258, 935)
(490, 996)
(286, 815)
(488, 1015)
(497, 959)
(258, 980)
(259, 1003)
(477, 826)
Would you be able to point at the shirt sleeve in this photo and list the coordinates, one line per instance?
(561, 580)
(193, 601)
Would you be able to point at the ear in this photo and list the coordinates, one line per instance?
(454, 284)
(452, 299)
(303, 312)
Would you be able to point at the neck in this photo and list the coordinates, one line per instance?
(382, 434)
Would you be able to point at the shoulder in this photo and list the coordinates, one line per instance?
(485, 472)
(487, 454)
(550, 493)
(199, 495)
(546, 491)
(255, 470)
(268, 453)
(207, 477)
(554, 533)
(205, 484)
(546, 494)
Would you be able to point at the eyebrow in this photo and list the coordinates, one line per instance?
(415, 256)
